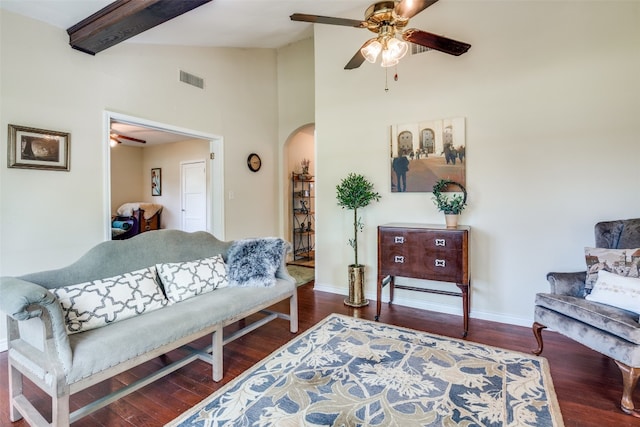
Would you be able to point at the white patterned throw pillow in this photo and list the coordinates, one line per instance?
(183, 280)
(618, 291)
(97, 303)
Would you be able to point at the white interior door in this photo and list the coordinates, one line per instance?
(193, 179)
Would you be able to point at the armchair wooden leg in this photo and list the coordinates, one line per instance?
(630, 378)
(537, 332)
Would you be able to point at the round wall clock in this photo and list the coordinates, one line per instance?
(254, 162)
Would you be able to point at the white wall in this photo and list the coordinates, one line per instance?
(296, 91)
(126, 175)
(296, 109)
(301, 146)
(549, 91)
(46, 84)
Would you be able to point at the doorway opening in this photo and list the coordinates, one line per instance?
(155, 134)
(300, 202)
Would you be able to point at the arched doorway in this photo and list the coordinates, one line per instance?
(299, 196)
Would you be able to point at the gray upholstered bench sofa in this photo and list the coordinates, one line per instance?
(52, 348)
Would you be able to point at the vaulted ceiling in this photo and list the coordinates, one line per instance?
(221, 23)
(218, 23)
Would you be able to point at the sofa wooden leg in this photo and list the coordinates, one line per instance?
(15, 390)
(217, 354)
(630, 378)
(293, 313)
(60, 411)
(537, 332)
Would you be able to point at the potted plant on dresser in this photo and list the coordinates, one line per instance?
(451, 205)
(355, 192)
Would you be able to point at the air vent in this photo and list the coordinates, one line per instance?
(191, 79)
(417, 48)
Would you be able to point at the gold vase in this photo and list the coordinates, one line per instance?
(356, 287)
(451, 220)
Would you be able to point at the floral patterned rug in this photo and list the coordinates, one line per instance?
(352, 372)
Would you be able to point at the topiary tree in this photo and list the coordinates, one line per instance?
(355, 192)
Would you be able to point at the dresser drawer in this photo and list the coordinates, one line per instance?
(445, 266)
(407, 239)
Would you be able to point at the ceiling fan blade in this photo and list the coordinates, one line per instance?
(128, 138)
(409, 8)
(355, 62)
(434, 41)
(317, 19)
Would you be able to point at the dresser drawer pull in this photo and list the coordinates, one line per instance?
(441, 242)
(398, 239)
(398, 259)
(441, 263)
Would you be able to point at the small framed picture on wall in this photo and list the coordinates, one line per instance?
(31, 148)
(156, 182)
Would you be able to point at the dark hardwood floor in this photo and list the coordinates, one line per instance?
(587, 384)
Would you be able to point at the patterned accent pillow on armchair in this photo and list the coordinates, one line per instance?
(623, 262)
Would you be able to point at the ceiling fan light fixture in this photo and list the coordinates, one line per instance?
(371, 50)
(388, 60)
(394, 51)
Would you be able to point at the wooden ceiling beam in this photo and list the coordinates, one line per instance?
(123, 19)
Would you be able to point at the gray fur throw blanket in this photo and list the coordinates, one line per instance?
(253, 262)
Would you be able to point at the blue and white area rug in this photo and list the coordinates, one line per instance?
(353, 372)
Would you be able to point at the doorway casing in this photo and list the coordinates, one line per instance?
(215, 209)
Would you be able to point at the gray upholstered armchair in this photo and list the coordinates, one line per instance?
(606, 329)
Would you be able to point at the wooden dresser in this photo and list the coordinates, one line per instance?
(428, 252)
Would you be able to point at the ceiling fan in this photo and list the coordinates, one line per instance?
(117, 138)
(386, 19)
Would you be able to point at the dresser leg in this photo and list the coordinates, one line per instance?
(379, 298)
(465, 307)
(382, 282)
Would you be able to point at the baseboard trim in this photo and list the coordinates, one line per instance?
(440, 308)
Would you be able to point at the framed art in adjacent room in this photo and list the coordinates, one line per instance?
(156, 182)
(31, 148)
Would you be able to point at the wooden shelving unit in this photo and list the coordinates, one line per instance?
(303, 205)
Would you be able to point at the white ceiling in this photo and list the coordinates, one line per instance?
(220, 23)
(151, 136)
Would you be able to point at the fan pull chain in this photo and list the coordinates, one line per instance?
(386, 80)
